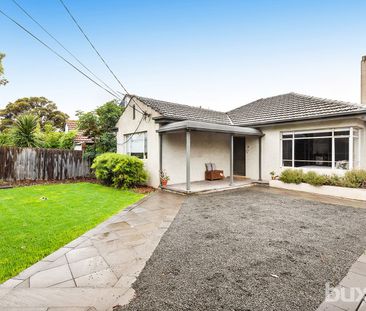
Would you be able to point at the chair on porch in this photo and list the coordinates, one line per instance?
(212, 173)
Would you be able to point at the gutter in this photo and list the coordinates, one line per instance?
(334, 116)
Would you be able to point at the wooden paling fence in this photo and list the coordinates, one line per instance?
(42, 164)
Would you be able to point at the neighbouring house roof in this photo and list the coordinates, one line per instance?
(175, 111)
(291, 107)
(208, 127)
(277, 109)
(79, 139)
(72, 125)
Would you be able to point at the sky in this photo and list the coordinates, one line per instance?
(209, 53)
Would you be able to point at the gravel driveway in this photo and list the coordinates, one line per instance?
(250, 250)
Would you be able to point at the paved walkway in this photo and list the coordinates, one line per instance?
(95, 271)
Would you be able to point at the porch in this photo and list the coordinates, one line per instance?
(205, 186)
(185, 146)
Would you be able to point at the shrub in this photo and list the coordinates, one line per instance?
(290, 176)
(354, 178)
(24, 132)
(314, 179)
(334, 180)
(118, 170)
(5, 139)
(351, 179)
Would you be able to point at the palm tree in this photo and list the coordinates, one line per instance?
(24, 133)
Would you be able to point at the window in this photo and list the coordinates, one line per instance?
(337, 148)
(134, 112)
(136, 145)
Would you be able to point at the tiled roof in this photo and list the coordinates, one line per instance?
(184, 112)
(289, 107)
(72, 125)
(80, 138)
(281, 108)
(83, 139)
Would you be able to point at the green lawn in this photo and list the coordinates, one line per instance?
(31, 228)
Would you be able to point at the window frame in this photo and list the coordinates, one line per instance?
(354, 132)
(127, 141)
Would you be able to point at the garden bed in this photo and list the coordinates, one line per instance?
(341, 192)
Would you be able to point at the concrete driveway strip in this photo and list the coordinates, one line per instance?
(96, 270)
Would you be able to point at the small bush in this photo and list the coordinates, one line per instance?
(119, 170)
(351, 179)
(314, 179)
(354, 178)
(290, 176)
(334, 180)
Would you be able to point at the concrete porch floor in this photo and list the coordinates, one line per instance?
(204, 186)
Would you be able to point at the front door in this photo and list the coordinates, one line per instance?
(239, 156)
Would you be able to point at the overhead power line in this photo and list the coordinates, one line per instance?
(65, 49)
(55, 52)
(92, 45)
(100, 56)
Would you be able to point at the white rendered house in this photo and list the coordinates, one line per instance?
(269, 134)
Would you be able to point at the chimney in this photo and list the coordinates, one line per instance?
(363, 80)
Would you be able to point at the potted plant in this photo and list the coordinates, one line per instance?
(273, 175)
(163, 178)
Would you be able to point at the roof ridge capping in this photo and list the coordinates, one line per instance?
(325, 99)
(142, 98)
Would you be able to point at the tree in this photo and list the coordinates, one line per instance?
(45, 110)
(25, 131)
(49, 138)
(3, 81)
(99, 125)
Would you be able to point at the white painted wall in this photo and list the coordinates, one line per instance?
(212, 147)
(205, 147)
(127, 125)
(271, 145)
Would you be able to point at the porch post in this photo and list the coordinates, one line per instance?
(188, 160)
(160, 154)
(260, 159)
(231, 159)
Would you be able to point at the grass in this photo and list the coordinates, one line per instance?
(32, 228)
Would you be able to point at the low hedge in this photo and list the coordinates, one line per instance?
(119, 170)
(351, 179)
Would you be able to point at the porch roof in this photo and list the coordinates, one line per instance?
(209, 127)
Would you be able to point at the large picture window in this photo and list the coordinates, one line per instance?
(136, 145)
(337, 149)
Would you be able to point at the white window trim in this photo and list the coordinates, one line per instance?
(127, 135)
(333, 131)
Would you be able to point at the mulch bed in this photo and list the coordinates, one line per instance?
(24, 183)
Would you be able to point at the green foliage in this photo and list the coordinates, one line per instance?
(351, 179)
(88, 124)
(354, 178)
(100, 126)
(314, 179)
(67, 140)
(108, 115)
(334, 180)
(6, 139)
(24, 131)
(290, 176)
(119, 170)
(107, 143)
(3, 81)
(45, 110)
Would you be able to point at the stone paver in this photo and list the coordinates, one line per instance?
(347, 295)
(96, 270)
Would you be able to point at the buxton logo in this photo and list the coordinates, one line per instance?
(345, 294)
